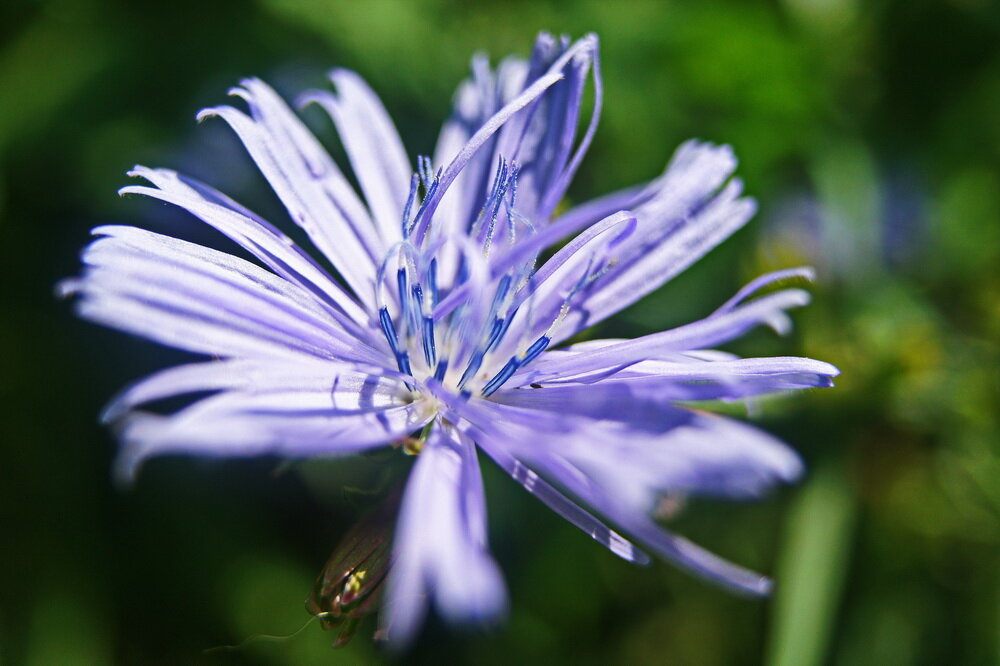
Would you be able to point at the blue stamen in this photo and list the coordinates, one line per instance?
(401, 285)
(487, 203)
(430, 350)
(513, 364)
(515, 170)
(498, 176)
(424, 165)
(404, 296)
(388, 330)
(416, 306)
(495, 200)
(441, 369)
(512, 215)
(498, 322)
(498, 326)
(502, 332)
(501, 377)
(432, 282)
(501, 185)
(423, 205)
(499, 197)
(403, 361)
(474, 364)
(502, 289)
(535, 349)
(414, 184)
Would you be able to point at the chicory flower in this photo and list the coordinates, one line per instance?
(440, 326)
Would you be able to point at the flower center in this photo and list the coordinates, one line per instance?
(459, 351)
(462, 349)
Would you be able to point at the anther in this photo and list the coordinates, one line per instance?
(432, 281)
(428, 196)
(498, 327)
(414, 184)
(474, 364)
(430, 350)
(502, 287)
(426, 170)
(406, 303)
(442, 368)
(388, 330)
(403, 361)
(508, 370)
(501, 377)
(537, 347)
(505, 324)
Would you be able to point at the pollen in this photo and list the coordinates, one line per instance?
(412, 446)
(353, 584)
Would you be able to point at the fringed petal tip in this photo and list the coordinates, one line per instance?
(125, 470)
(825, 370)
(211, 112)
(477, 600)
(113, 411)
(146, 173)
(588, 45)
(130, 189)
(807, 273)
(245, 90)
(546, 39)
(778, 320)
(67, 288)
(490, 611)
(763, 587)
(132, 452)
(699, 156)
(792, 469)
(310, 97)
(340, 75)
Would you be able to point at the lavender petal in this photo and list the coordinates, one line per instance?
(616, 497)
(265, 242)
(563, 506)
(439, 551)
(373, 146)
(691, 379)
(275, 144)
(188, 296)
(238, 424)
(352, 387)
(712, 330)
(642, 445)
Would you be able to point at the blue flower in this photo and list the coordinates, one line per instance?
(441, 326)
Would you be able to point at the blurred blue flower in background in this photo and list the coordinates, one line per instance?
(438, 333)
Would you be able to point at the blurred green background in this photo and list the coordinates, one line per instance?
(869, 132)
